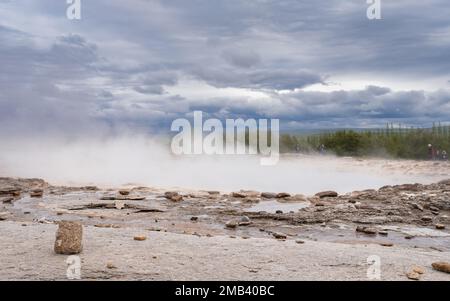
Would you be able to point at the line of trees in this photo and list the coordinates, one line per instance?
(393, 141)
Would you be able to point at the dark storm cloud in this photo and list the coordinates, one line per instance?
(118, 64)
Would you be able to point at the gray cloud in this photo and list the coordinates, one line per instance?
(117, 66)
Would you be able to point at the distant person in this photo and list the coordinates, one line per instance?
(444, 155)
(431, 152)
(322, 149)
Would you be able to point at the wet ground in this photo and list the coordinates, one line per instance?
(400, 217)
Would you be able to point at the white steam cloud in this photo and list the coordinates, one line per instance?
(140, 160)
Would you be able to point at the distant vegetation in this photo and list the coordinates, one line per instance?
(397, 142)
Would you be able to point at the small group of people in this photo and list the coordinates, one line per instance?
(436, 154)
(321, 149)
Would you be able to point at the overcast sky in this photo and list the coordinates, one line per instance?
(139, 64)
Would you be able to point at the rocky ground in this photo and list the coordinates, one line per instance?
(147, 233)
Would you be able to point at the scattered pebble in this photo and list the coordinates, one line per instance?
(417, 206)
(140, 237)
(427, 218)
(119, 204)
(3, 216)
(231, 224)
(282, 195)
(173, 196)
(418, 270)
(278, 235)
(245, 221)
(37, 193)
(387, 244)
(367, 230)
(440, 226)
(124, 192)
(238, 195)
(413, 275)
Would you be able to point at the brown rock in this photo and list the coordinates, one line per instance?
(37, 193)
(441, 266)
(245, 221)
(110, 266)
(417, 206)
(434, 208)
(413, 275)
(325, 194)
(10, 191)
(370, 231)
(386, 244)
(69, 238)
(440, 226)
(268, 195)
(426, 218)
(278, 235)
(3, 216)
(366, 230)
(90, 188)
(238, 194)
(124, 192)
(283, 195)
(173, 196)
(140, 238)
(119, 204)
(232, 224)
(7, 200)
(418, 270)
